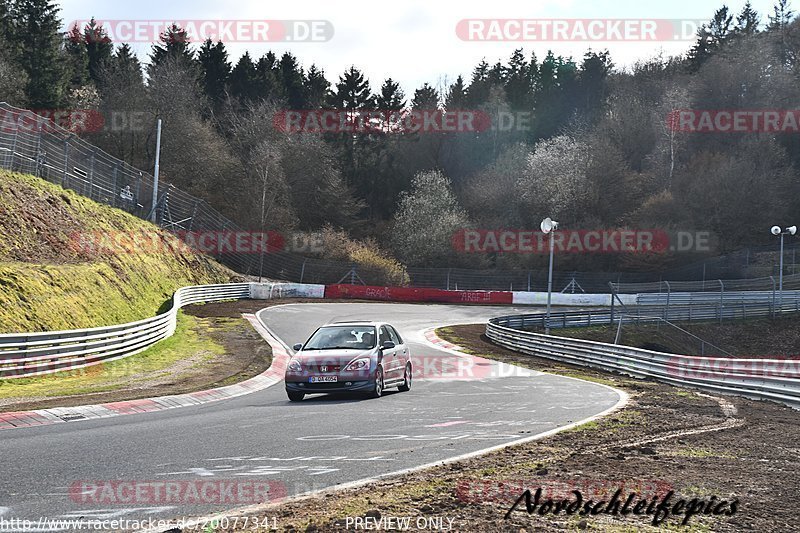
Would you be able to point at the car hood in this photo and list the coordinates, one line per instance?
(333, 357)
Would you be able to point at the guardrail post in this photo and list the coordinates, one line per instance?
(10, 155)
(91, 173)
(66, 163)
(721, 296)
(38, 162)
(666, 310)
(529, 281)
(613, 297)
(194, 214)
(114, 187)
(303, 270)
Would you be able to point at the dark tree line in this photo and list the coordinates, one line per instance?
(600, 132)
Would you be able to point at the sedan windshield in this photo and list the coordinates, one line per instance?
(342, 338)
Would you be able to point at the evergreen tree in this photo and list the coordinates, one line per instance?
(36, 33)
(316, 88)
(426, 97)
(747, 21)
(391, 97)
(352, 91)
(593, 86)
(244, 80)
(268, 86)
(77, 58)
(534, 81)
(174, 43)
(479, 86)
(99, 48)
(518, 82)
(781, 16)
(710, 38)
(13, 80)
(215, 70)
(456, 98)
(497, 74)
(291, 76)
(547, 73)
(126, 66)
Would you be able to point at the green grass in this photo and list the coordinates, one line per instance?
(698, 453)
(48, 283)
(190, 338)
(449, 335)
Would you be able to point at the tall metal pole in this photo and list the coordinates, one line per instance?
(155, 171)
(780, 279)
(549, 286)
(263, 232)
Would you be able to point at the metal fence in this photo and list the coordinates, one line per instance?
(770, 284)
(59, 156)
(736, 308)
(755, 379)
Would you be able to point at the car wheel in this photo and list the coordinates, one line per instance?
(406, 386)
(295, 396)
(377, 392)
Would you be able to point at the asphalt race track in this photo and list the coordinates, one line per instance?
(296, 447)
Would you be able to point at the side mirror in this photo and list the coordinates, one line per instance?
(297, 347)
(387, 345)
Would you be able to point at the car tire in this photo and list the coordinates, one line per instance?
(406, 386)
(295, 396)
(377, 391)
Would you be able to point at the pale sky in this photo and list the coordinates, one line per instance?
(412, 41)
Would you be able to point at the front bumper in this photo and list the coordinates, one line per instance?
(339, 386)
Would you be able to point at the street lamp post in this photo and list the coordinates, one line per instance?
(776, 230)
(548, 226)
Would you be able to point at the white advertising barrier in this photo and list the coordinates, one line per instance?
(268, 291)
(540, 298)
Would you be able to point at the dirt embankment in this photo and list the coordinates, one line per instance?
(64, 263)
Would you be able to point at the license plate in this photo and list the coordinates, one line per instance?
(323, 379)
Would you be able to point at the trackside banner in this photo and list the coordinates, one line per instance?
(405, 294)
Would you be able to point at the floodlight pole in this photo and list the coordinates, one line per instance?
(777, 230)
(155, 171)
(549, 286)
(780, 277)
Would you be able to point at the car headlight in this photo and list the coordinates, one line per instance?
(358, 364)
(294, 366)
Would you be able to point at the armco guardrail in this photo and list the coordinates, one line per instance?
(32, 354)
(762, 379)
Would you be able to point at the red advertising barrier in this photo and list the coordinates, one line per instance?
(405, 294)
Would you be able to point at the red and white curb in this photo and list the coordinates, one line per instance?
(461, 366)
(274, 374)
(433, 338)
